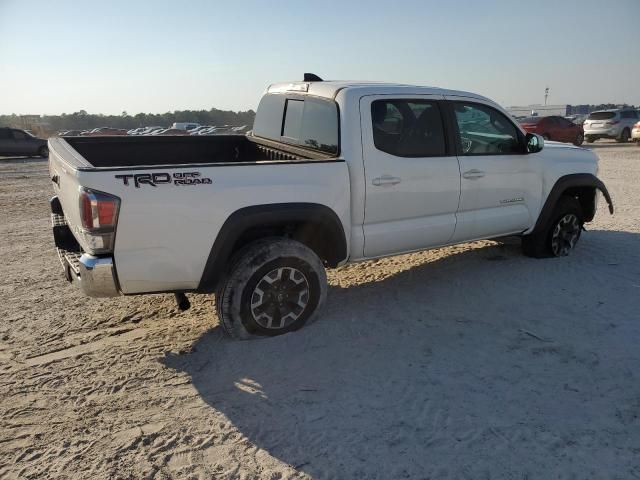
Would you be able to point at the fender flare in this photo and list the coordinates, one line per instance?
(265, 215)
(562, 184)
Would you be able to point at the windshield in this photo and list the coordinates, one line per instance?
(602, 115)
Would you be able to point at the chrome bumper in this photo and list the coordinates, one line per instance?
(96, 275)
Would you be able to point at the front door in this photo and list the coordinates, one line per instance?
(499, 187)
(412, 175)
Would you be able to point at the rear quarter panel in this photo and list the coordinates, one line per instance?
(165, 233)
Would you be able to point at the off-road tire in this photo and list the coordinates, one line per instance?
(624, 136)
(568, 214)
(265, 269)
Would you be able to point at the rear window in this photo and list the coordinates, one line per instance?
(602, 115)
(308, 122)
(530, 120)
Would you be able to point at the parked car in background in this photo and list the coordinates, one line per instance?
(19, 142)
(170, 131)
(70, 133)
(635, 133)
(150, 130)
(196, 130)
(205, 131)
(136, 131)
(103, 131)
(185, 125)
(615, 123)
(554, 128)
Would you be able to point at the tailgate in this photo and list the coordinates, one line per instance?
(63, 172)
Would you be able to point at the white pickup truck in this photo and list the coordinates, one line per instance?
(333, 172)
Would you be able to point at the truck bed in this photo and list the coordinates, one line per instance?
(121, 151)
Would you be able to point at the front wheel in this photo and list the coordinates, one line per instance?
(579, 139)
(274, 286)
(590, 139)
(43, 152)
(560, 236)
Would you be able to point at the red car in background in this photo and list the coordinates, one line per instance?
(554, 128)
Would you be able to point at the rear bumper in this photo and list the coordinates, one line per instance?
(96, 276)
(603, 132)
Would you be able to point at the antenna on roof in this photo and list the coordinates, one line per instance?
(311, 77)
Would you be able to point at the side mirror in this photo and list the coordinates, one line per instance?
(535, 143)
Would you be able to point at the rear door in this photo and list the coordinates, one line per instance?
(499, 183)
(412, 175)
(22, 143)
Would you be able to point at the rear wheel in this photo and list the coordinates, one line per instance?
(589, 139)
(560, 236)
(43, 152)
(624, 136)
(274, 286)
(579, 139)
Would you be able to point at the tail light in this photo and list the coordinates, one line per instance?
(99, 216)
(637, 125)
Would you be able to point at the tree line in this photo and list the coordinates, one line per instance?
(84, 121)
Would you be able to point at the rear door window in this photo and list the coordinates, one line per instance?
(18, 135)
(408, 128)
(564, 123)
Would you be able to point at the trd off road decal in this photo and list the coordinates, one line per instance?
(155, 179)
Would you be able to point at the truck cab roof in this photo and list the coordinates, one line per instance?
(330, 89)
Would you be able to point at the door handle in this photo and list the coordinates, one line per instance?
(386, 180)
(472, 174)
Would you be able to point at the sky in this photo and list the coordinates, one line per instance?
(110, 56)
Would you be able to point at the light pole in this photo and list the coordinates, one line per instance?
(546, 94)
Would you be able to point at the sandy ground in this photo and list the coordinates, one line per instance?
(469, 362)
